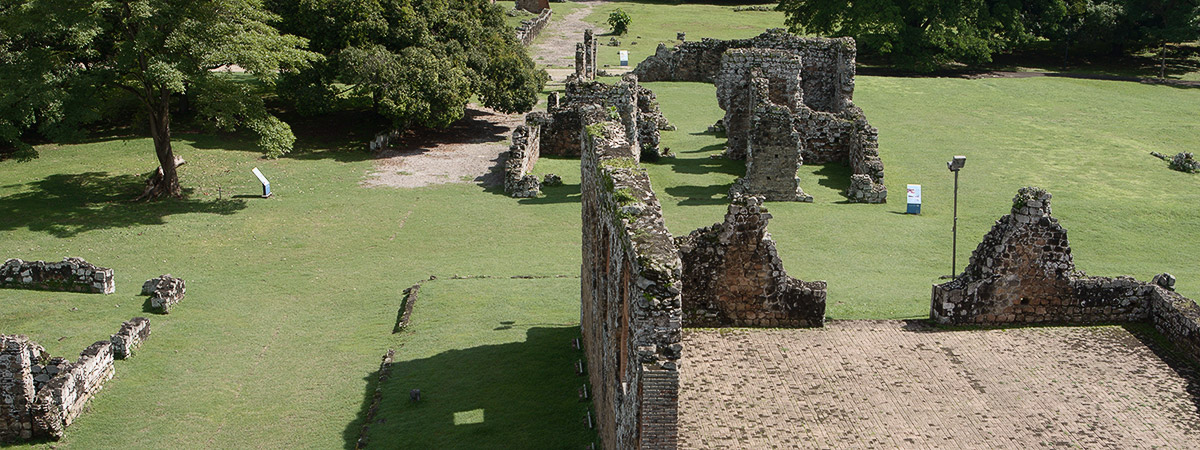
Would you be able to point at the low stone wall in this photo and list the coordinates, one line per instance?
(732, 276)
(41, 395)
(828, 64)
(528, 30)
(164, 291)
(522, 156)
(1023, 272)
(71, 274)
(630, 310)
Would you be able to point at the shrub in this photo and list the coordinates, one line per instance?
(619, 20)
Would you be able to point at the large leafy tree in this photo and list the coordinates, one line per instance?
(65, 63)
(420, 61)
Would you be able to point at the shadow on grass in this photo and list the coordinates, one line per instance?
(834, 176)
(65, 205)
(713, 194)
(567, 193)
(515, 395)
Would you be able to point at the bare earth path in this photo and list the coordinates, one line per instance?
(892, 384)
(469, 151)
(555, 46)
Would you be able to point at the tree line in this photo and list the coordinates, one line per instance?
(926, 35)
(66, 65)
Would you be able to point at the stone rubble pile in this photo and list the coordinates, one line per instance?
(164, 291)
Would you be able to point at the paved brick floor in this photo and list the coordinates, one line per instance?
(892, 384)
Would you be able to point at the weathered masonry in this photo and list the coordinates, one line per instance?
(523, 154)
(41, 395)
(1023, 272)
(530, 28)
(585, 58)
(630, 315)
(808, 80)
(733, 276)
(70, 274)
(633, 105)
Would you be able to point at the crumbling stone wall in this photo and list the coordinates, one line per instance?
(528, 30)
(585, 58)
(533, 6)
(41, 395)
(522, 156)
(164, 291)
(762, 93)
(633, 105)
(828, 64)
(732, 276)
(631, 317)
(70, 274)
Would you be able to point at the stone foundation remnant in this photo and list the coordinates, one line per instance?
(631, 317)
(633, 105)
(529, 29)
(523, 154)
(533, 6)
(734, 277)
(1023, 272)
(809, 82)
(41, 395)
(70, 274)
(585, 58)
(164, 291)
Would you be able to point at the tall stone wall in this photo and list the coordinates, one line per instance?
(529, 29)
(630, 311)
(828, 64)
(70, 274)
(585, 58)
(522, 156)
(41, 395)
(737, 95)
(633, 105)
(732, 276)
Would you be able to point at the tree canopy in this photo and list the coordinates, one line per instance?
(68, 63)
(927, 34)
(420, 61)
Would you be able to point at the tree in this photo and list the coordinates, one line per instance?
(619, 20)
(66, 62)
(925, 34)
(420, 61)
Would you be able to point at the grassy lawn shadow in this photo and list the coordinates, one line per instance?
(65, 205)
(514, 395)
(713, 194)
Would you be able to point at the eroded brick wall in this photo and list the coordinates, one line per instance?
(70, 274)
(630, 310)
(633, 105)
(523, 154)
(585, 58)
(732, 276)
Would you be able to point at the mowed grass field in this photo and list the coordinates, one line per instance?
(291, 300)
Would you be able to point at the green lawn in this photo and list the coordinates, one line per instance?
(291, 300)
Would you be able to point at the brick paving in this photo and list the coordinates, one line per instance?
(895, 384)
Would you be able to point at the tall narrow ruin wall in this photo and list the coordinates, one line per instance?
(70, 274)
(828, 64)
(631, 309)
(1023, 272)
(585, 58)
(634, 105)
(40, 396)
(733, 276)
(523, 154)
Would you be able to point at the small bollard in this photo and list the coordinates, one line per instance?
(414, 395)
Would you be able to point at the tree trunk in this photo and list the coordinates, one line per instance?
(1162, 55)
(164, 182)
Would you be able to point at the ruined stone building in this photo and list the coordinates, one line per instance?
(585, 58)
(805, 102)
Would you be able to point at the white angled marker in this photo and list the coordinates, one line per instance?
(266, 184)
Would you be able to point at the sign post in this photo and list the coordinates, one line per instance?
(914, 199)
(624, 58)
(266, 184)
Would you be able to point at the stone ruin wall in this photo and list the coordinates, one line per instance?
(585, 58)
(1023, 273)
(523, 154)
(533, 6)
(812, 78)
(529, 29)
(733, 276)
(828, 64)
(631, 317)
(636, 108)
(41, 395)
(70, 274)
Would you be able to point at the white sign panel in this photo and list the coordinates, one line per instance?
(624, 57)
(914, 194)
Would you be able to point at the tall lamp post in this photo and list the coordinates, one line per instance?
(955, 165)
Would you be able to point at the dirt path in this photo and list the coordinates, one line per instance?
(469, 151)
(894, 384)
(555, 46)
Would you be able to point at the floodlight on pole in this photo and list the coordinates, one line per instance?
(955, 165)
